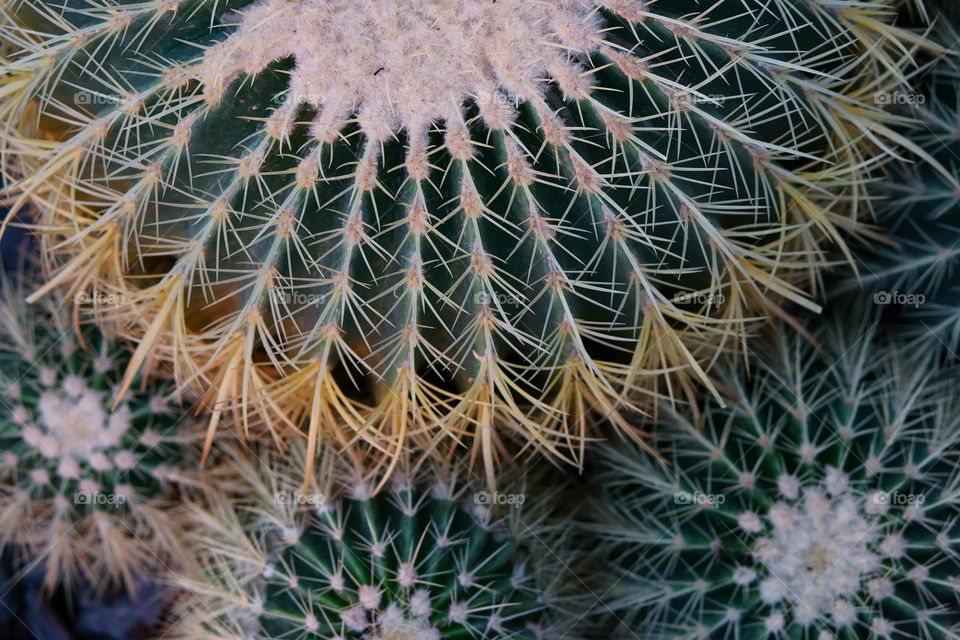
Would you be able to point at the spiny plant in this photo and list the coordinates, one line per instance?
(394, 222)
(823, 503)
(84, 488)
(413, 562)
(920, 267)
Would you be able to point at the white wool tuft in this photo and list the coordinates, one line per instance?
(406, 575)
(392, 624)
(458, 613)
(369, 596)
(404, 64)
(749, 522)
(820, 551)
(75, 427)
(420, 605)
(744, 576)
(789, 486)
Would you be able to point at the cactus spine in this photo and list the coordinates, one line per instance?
(477, 219)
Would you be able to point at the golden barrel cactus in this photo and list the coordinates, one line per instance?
(408, 223)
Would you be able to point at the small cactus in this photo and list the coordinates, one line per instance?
(409, 563)
(823, 503)
(917, 269)
(84, 487)
(402, 220)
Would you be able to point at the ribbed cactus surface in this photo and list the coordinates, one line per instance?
(85, 488)
(917, 268)
(410, 563)
(823, 503)
(393, 220)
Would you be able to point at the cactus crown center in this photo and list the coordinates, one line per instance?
(403, 65)
(821, 544)
(816, 552)
(74, 425)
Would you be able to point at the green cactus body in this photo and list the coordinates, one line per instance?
(405, 564)
(822, 503)
(920, 272)
(83, 487)
(400, 220)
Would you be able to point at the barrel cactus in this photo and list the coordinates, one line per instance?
(823, 503)
(394, 222)
(85, 488)
(917, 269)
(413, 562)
